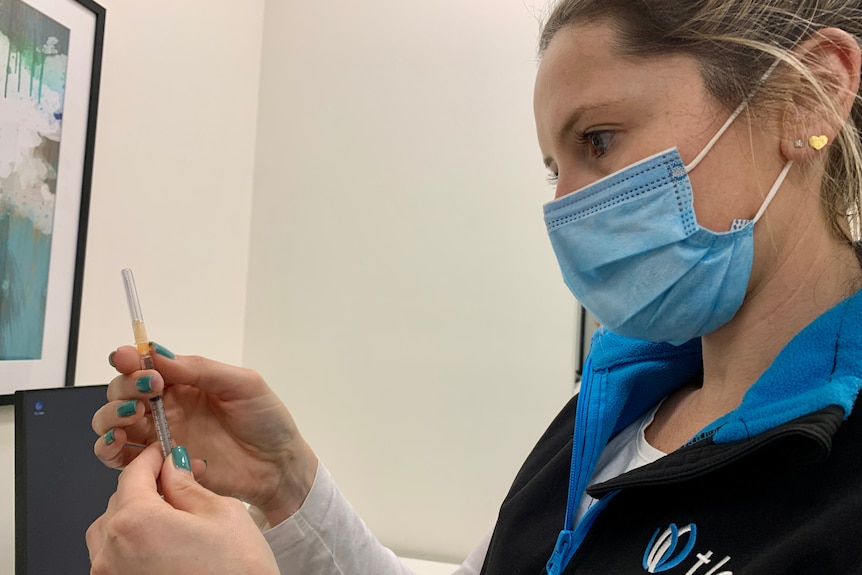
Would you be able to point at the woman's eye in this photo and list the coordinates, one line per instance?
(552, 179)
(598, 142)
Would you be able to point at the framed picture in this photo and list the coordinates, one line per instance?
(50, 62)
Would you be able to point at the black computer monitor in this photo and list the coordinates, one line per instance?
(60, 486)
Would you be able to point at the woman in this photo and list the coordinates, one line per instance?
(715, 425)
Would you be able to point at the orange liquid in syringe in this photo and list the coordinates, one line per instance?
(143, 344)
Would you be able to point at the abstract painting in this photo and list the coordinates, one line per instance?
(50, 54)
(34, 48)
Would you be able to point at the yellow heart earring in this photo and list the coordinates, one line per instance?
(818, 142)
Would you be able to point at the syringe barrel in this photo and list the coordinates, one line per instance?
(161, 422)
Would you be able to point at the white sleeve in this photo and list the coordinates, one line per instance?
(472, 565)
(327, 537)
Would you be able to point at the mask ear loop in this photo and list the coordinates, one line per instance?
(768, 199)
(693, 164)
(784, 171)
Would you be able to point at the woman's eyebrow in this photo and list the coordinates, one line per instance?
(565, 130)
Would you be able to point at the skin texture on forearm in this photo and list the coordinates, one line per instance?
(299, 476)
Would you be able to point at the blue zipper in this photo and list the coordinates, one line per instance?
(569, 541)
(585, 455)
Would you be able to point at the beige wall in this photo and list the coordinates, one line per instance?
(403, 296)
(375, 248)
(172, 189)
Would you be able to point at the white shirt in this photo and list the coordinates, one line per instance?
(628, 450)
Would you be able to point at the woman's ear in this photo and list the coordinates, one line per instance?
(832, 58)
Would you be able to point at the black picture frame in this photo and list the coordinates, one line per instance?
(73, 153)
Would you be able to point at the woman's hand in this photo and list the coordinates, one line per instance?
(191, 531)
(244, 441)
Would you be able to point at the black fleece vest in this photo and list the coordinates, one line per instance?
(788, 501)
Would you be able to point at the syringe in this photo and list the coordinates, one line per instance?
(143, 345)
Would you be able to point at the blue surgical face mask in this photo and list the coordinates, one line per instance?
(632, 252)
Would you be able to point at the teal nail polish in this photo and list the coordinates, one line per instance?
(109, 437)
(181, 458)
(143, 384)
(162, 351)
(127, 408)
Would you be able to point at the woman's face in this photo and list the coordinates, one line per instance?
(598, 111)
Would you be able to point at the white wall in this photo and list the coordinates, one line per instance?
(403, 297)
(172, 189)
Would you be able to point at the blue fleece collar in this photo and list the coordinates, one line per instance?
(820, 366)
(635, 375)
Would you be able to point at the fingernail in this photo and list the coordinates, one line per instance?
(127, 408)
(181, 458)
(111, 358)
(143, 384)
(162, 351)
(109, 437)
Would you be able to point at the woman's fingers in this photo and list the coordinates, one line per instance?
(136, 484)
(118, 423)
(126, 413)
(138, 479)
(125, 359)
(141, 384)
(181, 488)
(114, 451)
(140, 532)
(226, 381)
(110, 448)
(213, 377)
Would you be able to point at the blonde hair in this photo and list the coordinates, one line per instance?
(734, 42)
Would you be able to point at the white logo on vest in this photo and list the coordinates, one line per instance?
(673, 546)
